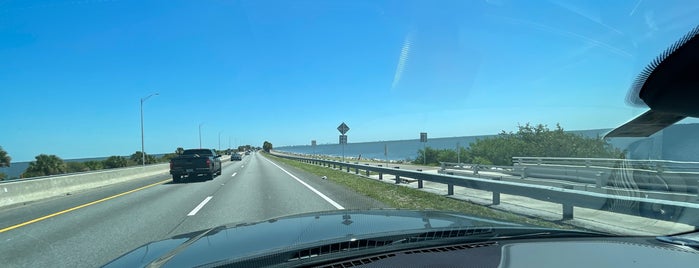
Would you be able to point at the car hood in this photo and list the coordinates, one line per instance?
(282, 234)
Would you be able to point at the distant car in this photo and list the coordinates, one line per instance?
(236, 157)
(247, 152)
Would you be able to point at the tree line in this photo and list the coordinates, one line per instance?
(45, 164)
(529, 140)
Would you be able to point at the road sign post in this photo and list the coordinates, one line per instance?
(385, 152)
(313, 144)
(343, 141)
(343, 128)
(423, 139)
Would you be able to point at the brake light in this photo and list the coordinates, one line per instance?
(208, 162)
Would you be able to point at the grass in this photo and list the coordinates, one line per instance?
(409, 198)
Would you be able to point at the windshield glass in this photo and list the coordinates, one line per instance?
(198, 151)
(495, 110)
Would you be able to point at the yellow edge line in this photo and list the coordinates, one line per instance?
(79, 207)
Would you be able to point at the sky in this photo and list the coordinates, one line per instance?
(73, 73)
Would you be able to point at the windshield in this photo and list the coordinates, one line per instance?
(492, 109)
(198, 151)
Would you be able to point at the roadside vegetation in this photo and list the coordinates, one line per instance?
(5, 160)
(529, 141)
(408, 198)
(267, 146)
(46, 165)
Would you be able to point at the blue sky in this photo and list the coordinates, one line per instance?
(72, 72)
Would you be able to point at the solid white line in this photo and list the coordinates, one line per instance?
(234, 174)
(201, 205)
(335, 204)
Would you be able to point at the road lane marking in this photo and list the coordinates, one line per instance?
(80, 206)
(335, 204)
(234, 174)
(201, 205)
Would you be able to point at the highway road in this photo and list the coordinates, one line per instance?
(90, 228)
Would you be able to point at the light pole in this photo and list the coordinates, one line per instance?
(219, 140)
(458, 153)
(200, 134)
(143, 152)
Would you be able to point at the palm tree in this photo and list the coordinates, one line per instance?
(4, 158)
(45, 165)
(114, 162)
(137, 157)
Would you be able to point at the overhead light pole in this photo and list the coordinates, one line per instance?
(143, 147)
(200, 124)
(219, 140)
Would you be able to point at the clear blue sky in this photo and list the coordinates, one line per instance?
(72, 72)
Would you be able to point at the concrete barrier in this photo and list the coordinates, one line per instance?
(20, 191)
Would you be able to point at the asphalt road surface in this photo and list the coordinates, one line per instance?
(90, 228)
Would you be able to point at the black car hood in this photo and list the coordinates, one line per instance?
(266, 237)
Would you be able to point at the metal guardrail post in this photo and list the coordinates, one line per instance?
(496, 195)
(523, 175)
(450, 189)
(348, 168)
(598, 180)
(356, 170)
(380, 174)
(567, 207)
(419, 184)
(397, 176)
(475, 169)
(567, 211)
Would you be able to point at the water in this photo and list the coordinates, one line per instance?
(678, 142)
(398, 149)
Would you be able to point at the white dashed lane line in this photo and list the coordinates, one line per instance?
(201, 205)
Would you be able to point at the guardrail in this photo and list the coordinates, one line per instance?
(598, 199)
(662, 166)
(649, 175)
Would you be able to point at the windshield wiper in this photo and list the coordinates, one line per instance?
(689, 239)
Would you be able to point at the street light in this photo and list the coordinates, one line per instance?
(200, 134)
(143, 152)
(219, 140)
